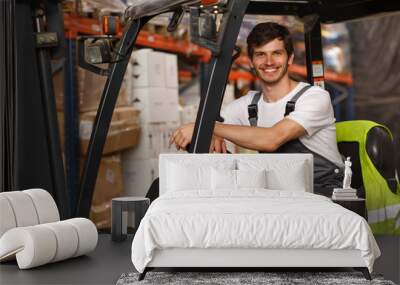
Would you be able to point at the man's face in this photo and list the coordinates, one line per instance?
(271, 61)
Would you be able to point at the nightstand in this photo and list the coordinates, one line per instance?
(121, 205)
(356, 205)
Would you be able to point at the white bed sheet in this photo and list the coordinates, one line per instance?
(251, 218)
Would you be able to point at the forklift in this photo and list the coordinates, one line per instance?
(48, 42)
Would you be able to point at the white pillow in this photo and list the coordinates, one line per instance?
(251, 178)
(223, 179)
(181, 177)
(280, 175)
(236, 179)
(290, 176)
(193, 173)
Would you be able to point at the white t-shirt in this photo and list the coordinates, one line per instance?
(313, 111)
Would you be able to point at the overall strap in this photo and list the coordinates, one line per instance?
(252, 109)
(292, 103)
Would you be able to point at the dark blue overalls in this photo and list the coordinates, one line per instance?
(327, 175)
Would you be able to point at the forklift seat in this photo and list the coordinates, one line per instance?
(370, 147)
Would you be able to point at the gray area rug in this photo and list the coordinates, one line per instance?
(233, 278)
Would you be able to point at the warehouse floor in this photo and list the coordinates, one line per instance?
(103, 266)
(110, 259)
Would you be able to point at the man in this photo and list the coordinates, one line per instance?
(266, 122)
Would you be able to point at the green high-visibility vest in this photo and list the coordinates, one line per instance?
(382, 204)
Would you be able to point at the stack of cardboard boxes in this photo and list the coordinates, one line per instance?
(152, 89)
(123, 134)
(145, 116)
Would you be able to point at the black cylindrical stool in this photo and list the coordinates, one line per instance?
(119, 225)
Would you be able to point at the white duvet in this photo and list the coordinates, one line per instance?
(252, 218)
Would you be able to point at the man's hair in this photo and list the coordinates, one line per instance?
(264, 33)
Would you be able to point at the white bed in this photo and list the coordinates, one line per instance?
(247, 211)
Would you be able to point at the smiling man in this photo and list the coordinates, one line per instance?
(284, 117)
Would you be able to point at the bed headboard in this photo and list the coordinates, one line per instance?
(269, 161)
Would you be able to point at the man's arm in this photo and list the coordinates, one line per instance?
(256, 138)
(259, 138)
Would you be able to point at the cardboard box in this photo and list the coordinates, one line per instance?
(150, 95)
(123, 133)
(101, 215)
(138, 176)
(109, 184)
(124, 130)
(161, 112)
(146, 147)
(128, 81)
(171, 70)
(90, 88)
(188, 114)
(156, 105)
(154, 139)
(116, 140)
(61, 120)
(148, 68)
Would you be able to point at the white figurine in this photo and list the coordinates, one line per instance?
(347, 174)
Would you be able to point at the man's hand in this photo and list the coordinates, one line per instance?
(218, 145)
(182, 136)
